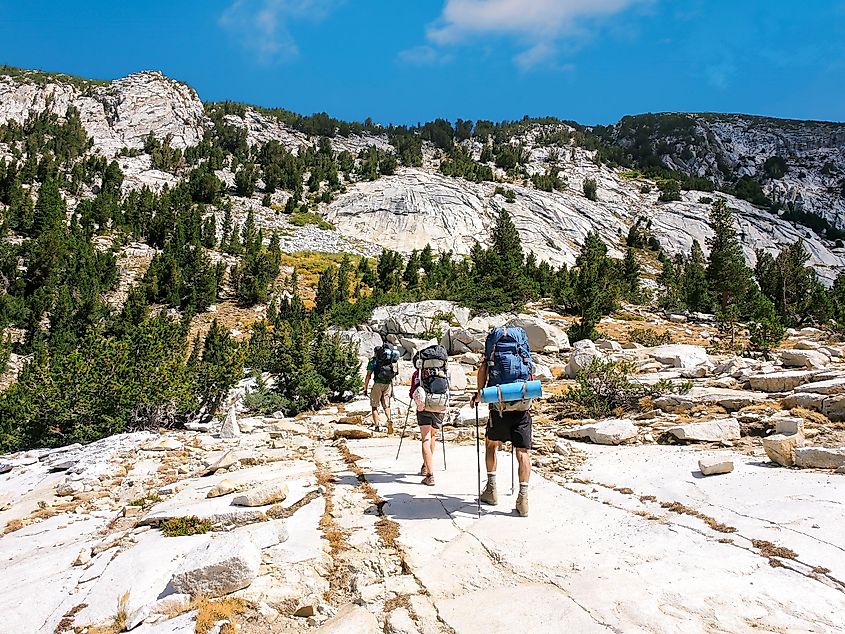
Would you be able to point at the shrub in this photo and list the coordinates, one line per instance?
(649, 337)
(303, 218)
(590, 188)
(670, 190)
(183, 526)
(604, 387)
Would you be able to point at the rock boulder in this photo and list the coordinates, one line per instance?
(709, 431)
(606, 432)
(223, 565)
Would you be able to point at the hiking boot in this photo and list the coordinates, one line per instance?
(488, 495)
(522, 504)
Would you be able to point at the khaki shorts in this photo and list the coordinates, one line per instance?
(380, 391)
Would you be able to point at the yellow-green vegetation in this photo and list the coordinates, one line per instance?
(631, 174)
(209, 613)
(309, 265)
(183, 526)
(649, 337)
(302, 218)
(146, 500)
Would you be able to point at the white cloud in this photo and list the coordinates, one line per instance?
(537, 54)
(546, 19)
(262, 26)
(424, 55)
(535, 24)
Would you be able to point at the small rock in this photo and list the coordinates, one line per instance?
(83, 558)
(710, 431)
(607, 432)
(230, 427)
(306, 610)
(223, 565)
(820, 457)
(5, 468)
(164, 444)
(715, 466)
(804, 359)
(350, 619)
(789, 425)
(270, 493)
(352, 432)
(780, 448)
(227, 460)
(400, 622)
(224, 487)
(132, 511)
(840, 469)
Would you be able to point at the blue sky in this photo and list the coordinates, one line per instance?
(405, 61)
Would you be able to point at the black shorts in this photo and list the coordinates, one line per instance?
(435, 419)
(510, 426)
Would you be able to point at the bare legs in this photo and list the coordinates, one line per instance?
(429, 439)
(523, 458)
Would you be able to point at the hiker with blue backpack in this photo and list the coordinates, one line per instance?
(503, 380)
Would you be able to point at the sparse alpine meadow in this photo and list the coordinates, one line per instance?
(191, 293)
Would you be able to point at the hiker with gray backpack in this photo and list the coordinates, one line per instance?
(507, 366)
(430, 393)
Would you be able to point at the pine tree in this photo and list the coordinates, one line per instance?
(694, 289)
(326, 290)
(50, 209)
(593, 290)
(411, 276)
(590, 189)
(631, 276)
(728, 275)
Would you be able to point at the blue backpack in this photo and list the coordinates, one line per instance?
(508, 356)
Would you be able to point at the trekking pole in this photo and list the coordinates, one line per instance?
(443, 441)
(478, 457)
(512, 468)
(404, 427)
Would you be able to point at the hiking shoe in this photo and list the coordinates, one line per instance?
(423, 471)
(428, 481)
(522, 504)
(488, 495)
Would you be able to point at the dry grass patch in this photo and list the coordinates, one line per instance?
(700, 412)
(12, 526)
(677, 507)
(811, 416)
(821, 570)
(648, 498)
(388, 531)
(768, 549)
(67, 619)
(209, 613)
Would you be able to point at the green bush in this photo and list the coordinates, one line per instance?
(604, 388)
(185, 526)
(649, 337)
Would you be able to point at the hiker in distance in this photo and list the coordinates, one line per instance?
(507, 359)
(382, 368)
(430, 394)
